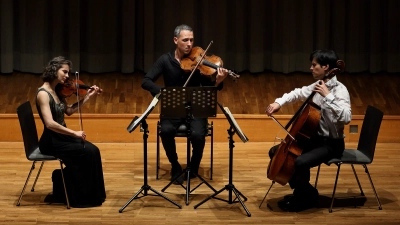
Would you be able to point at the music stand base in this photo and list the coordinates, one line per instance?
(188, 191)
(146, 188)
(230, 188)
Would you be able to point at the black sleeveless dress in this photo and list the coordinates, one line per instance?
(85, 183)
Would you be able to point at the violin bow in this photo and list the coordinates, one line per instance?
(79, 107)
(198, 63)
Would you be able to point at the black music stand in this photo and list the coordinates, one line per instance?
(234, 128)
(188, 102)
(144, 128)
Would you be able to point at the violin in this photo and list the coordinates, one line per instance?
(207, 65)
(72, 86)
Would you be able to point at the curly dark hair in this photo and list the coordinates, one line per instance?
(50, 71)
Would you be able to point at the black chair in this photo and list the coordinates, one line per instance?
(182, 132)
(31, 145)
(364, 154)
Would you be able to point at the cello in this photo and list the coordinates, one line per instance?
(302, 126)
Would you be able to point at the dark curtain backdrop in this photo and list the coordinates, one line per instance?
(125, 36)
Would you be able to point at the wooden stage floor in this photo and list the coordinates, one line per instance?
(123, 162)
(124, 176)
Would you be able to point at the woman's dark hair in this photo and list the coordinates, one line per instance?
(50, 71)
(325, 57)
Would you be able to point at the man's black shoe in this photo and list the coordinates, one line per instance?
(296, 204)
(287, 196)
(191, 175)
(289, 204)
(175, 172)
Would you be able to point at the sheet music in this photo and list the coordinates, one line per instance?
(238, 130)
(152, 105)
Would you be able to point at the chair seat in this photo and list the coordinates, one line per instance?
(351, 157)
(36, 155)
(181, 131)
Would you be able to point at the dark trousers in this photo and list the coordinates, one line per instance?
(198, 127)
(318, 150)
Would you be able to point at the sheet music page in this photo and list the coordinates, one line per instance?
(238, 130)
(152, 105)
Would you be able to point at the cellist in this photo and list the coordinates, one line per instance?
(328, 142)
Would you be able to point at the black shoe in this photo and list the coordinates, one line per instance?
(287, 196)
(194, 170)
(290, 204)
(282, 202)
(297, 204)
(191, 176)
(175, 172)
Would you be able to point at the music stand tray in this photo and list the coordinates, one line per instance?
(144, 128)
(234, 128)
(188, 102)
(202, 100)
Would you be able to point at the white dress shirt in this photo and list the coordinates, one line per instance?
(335, 107)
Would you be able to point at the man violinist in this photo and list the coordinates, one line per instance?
(169, 66)
(328, 141)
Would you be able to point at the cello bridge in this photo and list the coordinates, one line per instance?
(281, 140)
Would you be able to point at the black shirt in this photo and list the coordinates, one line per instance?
(174, 75)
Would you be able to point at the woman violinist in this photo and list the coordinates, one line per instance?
(85, 183)
(328, 142)
(169, 65)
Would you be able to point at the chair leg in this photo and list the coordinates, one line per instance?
(26, 182)
(358, 181)
(158, 150)
(65, 187)
(316, 178)
(273, 182)
(373, 187)
(334, 187)
(212, 152)
(37, 176)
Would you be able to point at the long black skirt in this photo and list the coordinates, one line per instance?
(84, 177)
